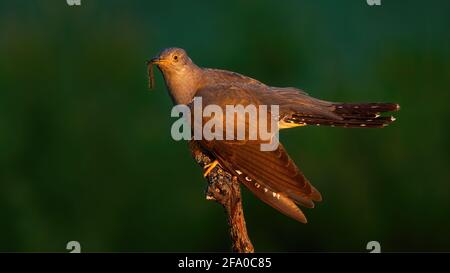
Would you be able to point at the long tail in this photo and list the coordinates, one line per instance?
(351, 115)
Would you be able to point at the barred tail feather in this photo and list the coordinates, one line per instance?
(364, 109)
(351, 115)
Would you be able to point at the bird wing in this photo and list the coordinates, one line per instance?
(297, 108)
(270, 175)
(292, 102)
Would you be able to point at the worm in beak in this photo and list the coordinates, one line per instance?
(151, 77)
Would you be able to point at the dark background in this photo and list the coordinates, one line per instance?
(86, 152)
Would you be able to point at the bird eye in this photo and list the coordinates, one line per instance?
(175, 58)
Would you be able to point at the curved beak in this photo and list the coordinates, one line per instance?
(156, 61)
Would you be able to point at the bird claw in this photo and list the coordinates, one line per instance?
(209, 167)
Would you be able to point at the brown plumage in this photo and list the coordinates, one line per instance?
(271, 175)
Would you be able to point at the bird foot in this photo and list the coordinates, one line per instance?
(209, 167)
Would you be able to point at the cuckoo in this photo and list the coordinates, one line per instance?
(271, 175)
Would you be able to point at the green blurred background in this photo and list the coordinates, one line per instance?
(86, 152)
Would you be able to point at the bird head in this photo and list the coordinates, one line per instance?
(170, 61)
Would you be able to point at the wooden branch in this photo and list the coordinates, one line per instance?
(224, 188)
